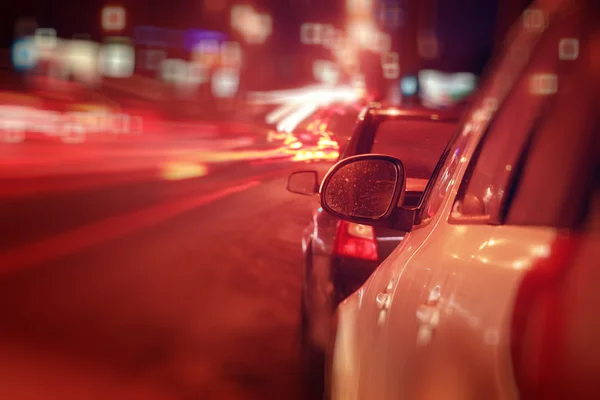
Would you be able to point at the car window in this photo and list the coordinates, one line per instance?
(505, 146)
(341, 124)
(496, 84)
(560, 179)
(418, 143)
(485, 182)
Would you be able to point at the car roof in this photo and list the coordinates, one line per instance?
(420, 113)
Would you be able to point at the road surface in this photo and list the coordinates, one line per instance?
(154, 289)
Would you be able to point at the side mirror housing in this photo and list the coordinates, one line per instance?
(366, 189)
(303, 182)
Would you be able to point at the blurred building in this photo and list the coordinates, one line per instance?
(455, 36)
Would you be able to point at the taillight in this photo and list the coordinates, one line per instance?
(538, 323)
(356, 241)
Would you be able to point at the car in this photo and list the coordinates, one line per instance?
(493, 292)
(339, 256)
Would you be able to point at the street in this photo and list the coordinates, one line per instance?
(154, 288)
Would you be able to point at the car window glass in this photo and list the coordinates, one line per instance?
(484, 187)
(342, 123)
(418, 143)
(496, 84)
(557, 182)
(556, 187)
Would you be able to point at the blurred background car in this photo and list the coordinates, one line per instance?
(339, 256)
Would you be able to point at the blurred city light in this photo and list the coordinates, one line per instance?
(117, 60)
(409, 85)
(81, 56)
(535, 19)
(225, 82)
(310, 33)
(360, 7)
(391, 65)
(544, 84)
(297, 105)
(568, 49)
(255, 27)
(326, 72)
(363, 33)
(440, 89)
(25, 54)
(182, 170)
(113, 18)
(174, 71)
(45, 39)
(71, 127)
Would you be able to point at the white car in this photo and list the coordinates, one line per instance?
(494, 293)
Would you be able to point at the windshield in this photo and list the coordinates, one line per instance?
(419, 144)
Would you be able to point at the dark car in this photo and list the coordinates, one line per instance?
(339, 256)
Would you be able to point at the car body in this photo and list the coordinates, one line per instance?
(493, 293)
(340, 256)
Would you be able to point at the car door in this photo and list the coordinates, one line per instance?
(404, 301)
(447, 302)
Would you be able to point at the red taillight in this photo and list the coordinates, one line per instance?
(538, 320)
(356, 241)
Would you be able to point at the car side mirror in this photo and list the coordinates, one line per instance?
(366, 189)
(303, 182)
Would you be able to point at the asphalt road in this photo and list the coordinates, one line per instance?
(154, 289)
